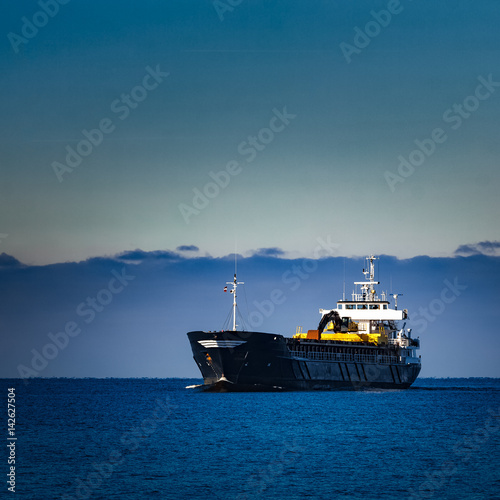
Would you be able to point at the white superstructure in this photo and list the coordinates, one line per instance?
(369, 313)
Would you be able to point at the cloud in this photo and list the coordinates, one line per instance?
(159, 303)
(187, 248)
(138, 255)
(464, 250)
(269, 252)
(9, 261)
(490, 248)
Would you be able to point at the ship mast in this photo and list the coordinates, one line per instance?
(235, 284)
(367, 287)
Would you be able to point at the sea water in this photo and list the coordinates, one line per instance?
(154, 438)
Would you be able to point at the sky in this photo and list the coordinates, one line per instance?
(162, 137)
(153, 125)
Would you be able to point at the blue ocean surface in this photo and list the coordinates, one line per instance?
(155, 438)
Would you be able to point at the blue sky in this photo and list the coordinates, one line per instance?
(174, 133)
(324, 171)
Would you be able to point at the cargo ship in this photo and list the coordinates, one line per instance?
(357, 345)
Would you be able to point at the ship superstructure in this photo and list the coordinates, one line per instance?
(358, 344)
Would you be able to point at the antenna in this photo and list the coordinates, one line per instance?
(395, 297)
(343, 289)
(235, 254)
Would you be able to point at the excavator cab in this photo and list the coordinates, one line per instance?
(345, 324)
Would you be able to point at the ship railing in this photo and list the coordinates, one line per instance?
(337, 356)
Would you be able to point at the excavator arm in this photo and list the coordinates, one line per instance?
(331, 316)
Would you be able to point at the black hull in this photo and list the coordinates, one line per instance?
(256, 361)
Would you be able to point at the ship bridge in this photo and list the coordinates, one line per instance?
(363, 310)
(365, 304)
(366, 312)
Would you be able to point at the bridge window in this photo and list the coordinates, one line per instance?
(385, 306)
(350, 306)
(339, 306)
(374, 306)
(362, 306)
